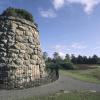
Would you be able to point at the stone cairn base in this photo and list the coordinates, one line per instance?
(21, 62)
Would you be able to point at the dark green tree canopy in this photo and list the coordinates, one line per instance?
(21, 13)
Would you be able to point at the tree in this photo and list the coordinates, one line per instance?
(57, 58)
(89, 60)
(45, 56)
(56, 55)
(95, 59)
(99, 60)
(67, 58)
(85, 60)
(73, 59)
(80, 59)
(67, 65)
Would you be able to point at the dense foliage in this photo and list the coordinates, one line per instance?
(85, 60)
(57, 62)
(21, 13)
(69, 61)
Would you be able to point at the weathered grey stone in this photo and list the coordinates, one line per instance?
(21, 55)
(11, 33)
(30, 40)
(19, 32)
(21, 28)
(11, 44)
(13, 26)
(2, 64)
(3, 60)
(33, 62)
(13, 77)
(13, 50)
(14, 55)
(18, 62)
(34, 57)
(26, 62)
(20, 51)
(29, 50)
(1, 33)
(38, 61)
(2, 50)
(3, 54)
(20, 46)
(35, 52)
(10, 37)
(19, 38)
(32, 46)
(28, 33)
(5, 29)
(4, 41)
(26, 56)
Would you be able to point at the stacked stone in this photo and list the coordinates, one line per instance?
(20, 53)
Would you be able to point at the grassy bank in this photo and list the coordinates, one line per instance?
(67, 95)
(90, 73)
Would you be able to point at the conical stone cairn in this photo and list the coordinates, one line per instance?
(21, 61)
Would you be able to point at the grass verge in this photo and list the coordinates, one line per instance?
(89, 75)
(67, 95)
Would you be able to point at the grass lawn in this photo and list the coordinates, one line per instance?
(92, 74)
(67, 95)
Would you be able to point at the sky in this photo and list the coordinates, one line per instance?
(65, 26)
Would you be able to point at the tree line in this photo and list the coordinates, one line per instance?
(69, 61)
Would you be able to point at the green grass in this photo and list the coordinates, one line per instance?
(89, 75)
(74, 95)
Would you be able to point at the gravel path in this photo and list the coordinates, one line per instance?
(64, 83)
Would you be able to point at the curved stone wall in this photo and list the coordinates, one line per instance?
(21, 59)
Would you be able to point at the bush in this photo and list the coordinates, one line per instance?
(21, 13)
(60, 65)
(52, 65)
(67, 66)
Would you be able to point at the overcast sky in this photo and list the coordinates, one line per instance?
(66, 26)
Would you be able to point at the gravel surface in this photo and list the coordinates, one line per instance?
(64, 83)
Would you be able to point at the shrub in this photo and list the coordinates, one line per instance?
(52, 65)
(67, 66)
(21, 13)
(60, 65)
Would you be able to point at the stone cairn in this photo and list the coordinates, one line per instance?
(21, 61)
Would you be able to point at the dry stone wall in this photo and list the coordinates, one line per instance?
(21, 59)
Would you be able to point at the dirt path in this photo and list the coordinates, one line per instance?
(64, 83)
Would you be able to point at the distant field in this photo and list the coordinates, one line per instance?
(67, 95)
(89, 73)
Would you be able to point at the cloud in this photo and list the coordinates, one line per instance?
(75, 48)
(88, 5)
(78, 46)
(47, 13)
(97, 48)
(58, 3)
(62, 54)
(70, 47)
(59, 47)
